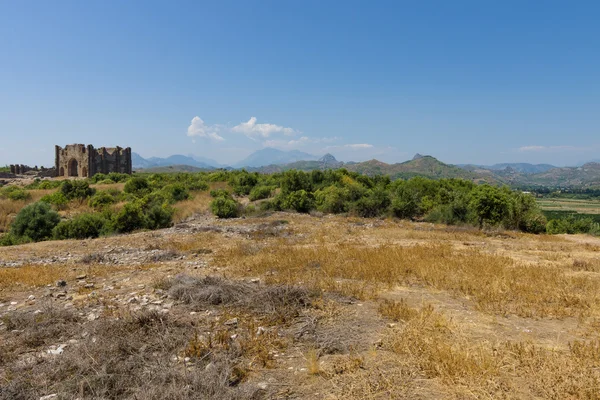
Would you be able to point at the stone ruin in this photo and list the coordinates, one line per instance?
(20, 169)
(86, 161)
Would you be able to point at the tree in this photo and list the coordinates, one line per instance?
(490, 205)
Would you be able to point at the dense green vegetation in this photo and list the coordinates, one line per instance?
(148, 201)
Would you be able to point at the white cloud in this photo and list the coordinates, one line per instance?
(198, 128)
(252, 129)
(548, 149)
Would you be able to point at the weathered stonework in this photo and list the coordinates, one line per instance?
(86, 161)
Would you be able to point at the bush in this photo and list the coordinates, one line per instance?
(101, 200)
(82, 226)
(57, 199)
(260, 192)
(14, 193)
(220, 193)
(159, 217)
(176, 192)
(137, 186)
(198, 186)
(300, 201)
(294, 181)
(376, 203)
(130, 218)
(331, 199)
(243, 182)
(35, 222)
(79, 190)
(224, 207)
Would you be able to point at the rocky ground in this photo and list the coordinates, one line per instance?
(190, 312)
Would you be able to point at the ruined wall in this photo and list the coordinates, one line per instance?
(20, 169)
(86, 161)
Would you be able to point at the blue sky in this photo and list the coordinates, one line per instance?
(465, 81)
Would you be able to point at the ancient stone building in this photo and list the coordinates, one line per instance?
(86, 161)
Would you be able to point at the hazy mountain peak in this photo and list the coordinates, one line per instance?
(417, 156)
(328, 158)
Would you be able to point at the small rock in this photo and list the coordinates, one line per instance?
(88, 285)
(49, 396)
(58, 351)
(13, 303)
(260, 331)
(61, 295)
(80, 277)
(231, 322)
(392, 325)
(92, 317)
(262, 385)
(31, 297)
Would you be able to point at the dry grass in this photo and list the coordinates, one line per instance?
(480, 369)
(197, 204)
(30, 276)
(497, 283)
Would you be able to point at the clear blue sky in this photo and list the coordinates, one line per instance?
(465, 81)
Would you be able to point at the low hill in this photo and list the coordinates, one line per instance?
(426, 166)
(525, 168)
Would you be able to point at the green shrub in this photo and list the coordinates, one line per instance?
(375, 203)
(224, 207)
(260, 192)
(159, 217)
(78, 189)
(14, 193)
(8, 239)
(101, 200)
(49, 184)
(82, 226)
(220, 193)
(300, 201)
(198, 186)
(176, 192)
(294, 181)
(137, 186)
(533, 222)
(35, 222)
(130, 218)
(332, 199)
(243, 182)
(57, 199)
(118, 177)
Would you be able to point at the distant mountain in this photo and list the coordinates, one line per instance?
(421, 166)
(426, 166)
(270, 156)
(525, 168)
(138, 162)
(588, 175)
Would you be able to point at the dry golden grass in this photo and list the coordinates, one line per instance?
(473, 368)
(197, 204)
(497, 283)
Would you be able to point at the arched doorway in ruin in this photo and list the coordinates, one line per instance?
(72, 167)
(84, 172)
(61, 171)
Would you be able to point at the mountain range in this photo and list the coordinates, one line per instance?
(270, 160)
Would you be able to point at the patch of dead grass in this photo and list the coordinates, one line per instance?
(497, 283)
